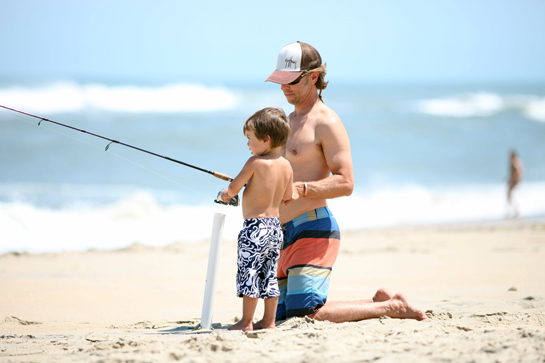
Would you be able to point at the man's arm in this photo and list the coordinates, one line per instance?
(519, 168)
(336, 149)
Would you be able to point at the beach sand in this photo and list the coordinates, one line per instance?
(481, 284)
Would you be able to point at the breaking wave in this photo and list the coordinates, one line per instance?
(140, 218)
(483, 104)
(71, 97)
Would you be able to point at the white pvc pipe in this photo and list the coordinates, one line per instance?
(212, 272)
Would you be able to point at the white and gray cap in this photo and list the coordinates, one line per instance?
(293, 60)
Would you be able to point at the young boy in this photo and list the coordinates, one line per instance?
(269, 181)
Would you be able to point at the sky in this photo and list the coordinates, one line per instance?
(228, 41)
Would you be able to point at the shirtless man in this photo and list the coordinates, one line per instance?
(319, 152)
(516, 172)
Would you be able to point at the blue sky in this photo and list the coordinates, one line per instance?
(221, 41)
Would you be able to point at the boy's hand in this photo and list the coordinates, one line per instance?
(224, 196)
(225, 199)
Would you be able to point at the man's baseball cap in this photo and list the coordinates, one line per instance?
(293, 60)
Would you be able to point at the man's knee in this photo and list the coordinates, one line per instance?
(322, 313)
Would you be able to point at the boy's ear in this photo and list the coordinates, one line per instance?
(267, 138)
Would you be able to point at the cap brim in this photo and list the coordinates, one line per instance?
(283, 77)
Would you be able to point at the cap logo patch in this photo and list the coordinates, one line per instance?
(289, 61)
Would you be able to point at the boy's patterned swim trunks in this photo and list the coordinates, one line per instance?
(311, 244)
(259, 244)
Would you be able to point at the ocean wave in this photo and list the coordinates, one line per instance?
(483, 104)
(415, 205)
(72, 97)
(535, 109)
(139, 218)
(135, 219)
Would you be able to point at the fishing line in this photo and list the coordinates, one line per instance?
(100, 147)
(214, 173)
(162, 176)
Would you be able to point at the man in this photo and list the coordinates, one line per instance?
(516, 172)
(319, 152)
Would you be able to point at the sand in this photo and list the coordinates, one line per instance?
(482, 286)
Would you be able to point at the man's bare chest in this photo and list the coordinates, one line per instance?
(303, 145)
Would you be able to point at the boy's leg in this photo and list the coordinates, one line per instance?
(248, 308)
(268, 315)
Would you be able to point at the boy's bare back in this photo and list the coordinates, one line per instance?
(269, 181)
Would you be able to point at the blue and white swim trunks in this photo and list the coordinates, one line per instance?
(259, 244)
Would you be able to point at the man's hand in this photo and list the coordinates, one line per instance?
(298, 190)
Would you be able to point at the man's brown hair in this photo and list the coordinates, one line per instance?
(321, 84)
(272, 122)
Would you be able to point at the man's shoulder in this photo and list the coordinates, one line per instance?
(328, 124)
(325, 115)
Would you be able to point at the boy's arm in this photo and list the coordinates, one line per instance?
(288, 194)
(240, 180)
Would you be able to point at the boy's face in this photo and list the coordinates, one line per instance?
(257, 147)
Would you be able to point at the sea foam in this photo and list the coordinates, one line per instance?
(139, 218)
(73, 97)
(482, 104)
(136, 219)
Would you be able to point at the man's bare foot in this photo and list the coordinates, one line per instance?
(382, 295)
(261, 325)
(241, 326)
(402, 309)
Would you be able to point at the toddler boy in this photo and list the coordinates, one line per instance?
(269, 181)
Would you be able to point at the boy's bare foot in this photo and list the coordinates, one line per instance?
(402, 309)
(261, 325)
(382, 295)
(241, 326)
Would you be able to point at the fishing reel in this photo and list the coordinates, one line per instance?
(233, 201)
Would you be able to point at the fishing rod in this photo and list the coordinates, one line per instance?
(112, 141)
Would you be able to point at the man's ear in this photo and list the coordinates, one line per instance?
(313, 77)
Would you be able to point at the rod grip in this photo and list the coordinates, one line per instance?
(222, 176)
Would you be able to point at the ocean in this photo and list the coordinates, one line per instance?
(423, 154)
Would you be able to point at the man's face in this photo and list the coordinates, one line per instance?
(298, 92)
